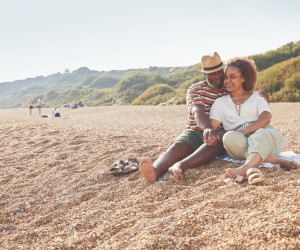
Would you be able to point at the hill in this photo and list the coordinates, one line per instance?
(278, 75)
(281, 81)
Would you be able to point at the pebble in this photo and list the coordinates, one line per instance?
(169, 218)
(280, 199)
(269, 235)
(260, 234)
(19, 209)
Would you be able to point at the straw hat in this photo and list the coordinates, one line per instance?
(211, 63)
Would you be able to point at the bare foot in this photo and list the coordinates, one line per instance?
(233, 173)
(288, 165)
(147, 169)
(176, 171)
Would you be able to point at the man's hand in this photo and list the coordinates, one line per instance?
(210, 137)
(264, 95)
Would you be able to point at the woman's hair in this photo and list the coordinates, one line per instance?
(248, 71)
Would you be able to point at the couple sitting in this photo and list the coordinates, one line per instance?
(226, 99)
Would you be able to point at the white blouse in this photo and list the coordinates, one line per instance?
(225, 111)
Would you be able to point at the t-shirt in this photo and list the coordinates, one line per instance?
(224, 111)
(201, 94)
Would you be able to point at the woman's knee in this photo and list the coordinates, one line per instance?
(232, 137)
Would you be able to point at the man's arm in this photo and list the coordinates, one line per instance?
(210, 136)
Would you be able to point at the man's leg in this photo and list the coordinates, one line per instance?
(201, 156)
(176, 152)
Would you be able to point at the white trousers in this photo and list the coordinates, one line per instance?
(264, 141)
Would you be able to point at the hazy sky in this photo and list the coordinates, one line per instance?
(43, 37)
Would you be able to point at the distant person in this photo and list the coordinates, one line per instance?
(80, 104)
(74, 105)
(40, 106)
(118, 102)
(114, 102)
(30, 104)
(56, 112)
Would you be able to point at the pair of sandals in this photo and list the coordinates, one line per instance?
(129, 166)
(254, 176)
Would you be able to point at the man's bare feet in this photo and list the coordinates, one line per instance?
(288, 165)
(147, 169)
(176, 171)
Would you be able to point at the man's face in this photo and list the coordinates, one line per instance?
(216, 78)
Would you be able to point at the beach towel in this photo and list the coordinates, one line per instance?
(288, 155)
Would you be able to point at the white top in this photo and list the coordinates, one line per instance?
(55, 111)
(224, 111)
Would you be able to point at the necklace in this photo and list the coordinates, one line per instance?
(238, 108)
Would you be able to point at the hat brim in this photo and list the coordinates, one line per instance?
(213, 70)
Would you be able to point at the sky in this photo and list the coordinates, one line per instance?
(43, 37)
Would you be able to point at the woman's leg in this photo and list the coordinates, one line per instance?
(235, 144)
(253, 161)
(288, 165)
(266, 141)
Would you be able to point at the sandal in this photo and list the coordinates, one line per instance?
(254, 176)
(131, 165)
(118, 168)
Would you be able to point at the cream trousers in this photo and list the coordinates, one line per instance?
(264, 141)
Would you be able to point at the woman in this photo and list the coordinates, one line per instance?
(247, 117)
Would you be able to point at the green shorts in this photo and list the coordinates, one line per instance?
(192, 137)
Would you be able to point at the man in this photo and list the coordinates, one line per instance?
(199, 142)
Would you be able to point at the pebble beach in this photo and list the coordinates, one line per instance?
(56, 190)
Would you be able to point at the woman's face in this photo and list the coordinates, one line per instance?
(233, 80)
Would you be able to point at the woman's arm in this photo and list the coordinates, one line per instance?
(263, 120)
(215, 123)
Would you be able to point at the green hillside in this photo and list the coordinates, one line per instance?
(281, 81)
(272, 57)
(134, 85)
(278, 75)
(159, 94)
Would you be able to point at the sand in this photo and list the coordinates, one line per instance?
(56, 191)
